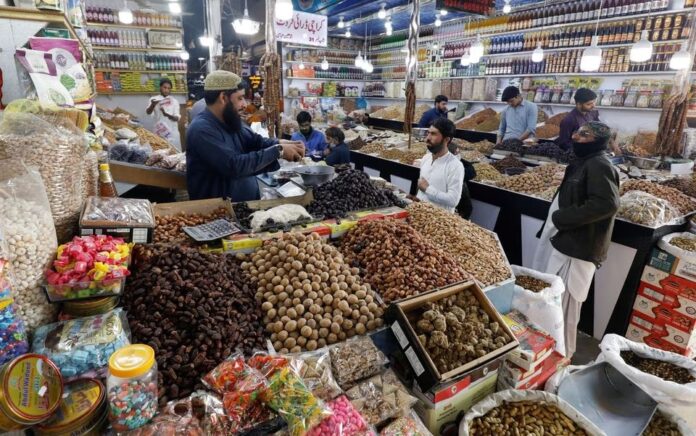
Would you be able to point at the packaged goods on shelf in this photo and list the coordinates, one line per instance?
(646, 209)
(132, 219)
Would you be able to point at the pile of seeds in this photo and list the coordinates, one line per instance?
(531, 284)
(665, 370)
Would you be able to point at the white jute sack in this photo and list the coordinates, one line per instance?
(664, 245)
(543, 308)
(513, 396)
(682, 425)
(680, 399)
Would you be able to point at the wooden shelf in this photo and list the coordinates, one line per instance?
(143, 175)
(107, 70)
(144, 50)
(133, 26)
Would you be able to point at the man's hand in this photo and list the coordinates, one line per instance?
(327, 151)
(292, 151)
(423, 184)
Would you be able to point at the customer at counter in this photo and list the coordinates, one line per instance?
(313, 140)
(583, 113)
(223, 155)
(577, 232)
(441, 172)
(432, 114)
(337, 152)
(519, 119)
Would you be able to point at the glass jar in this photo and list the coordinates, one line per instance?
(565, 98)
(606, 97)
(546, 97)
(539, 94)
(132, 387)
(656, 99)
(643, 100)
(618, 98)
(631, 99)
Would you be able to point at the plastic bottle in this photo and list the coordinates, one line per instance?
(107, 188)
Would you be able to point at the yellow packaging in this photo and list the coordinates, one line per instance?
(83, 405)
(31, 391)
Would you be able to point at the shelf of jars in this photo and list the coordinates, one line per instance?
(107, 70)
(107, 17)
(131, 26)
(131, 82)
(143, 50)
(137, 62)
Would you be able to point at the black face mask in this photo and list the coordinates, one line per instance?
(231, 117)
(582, 149)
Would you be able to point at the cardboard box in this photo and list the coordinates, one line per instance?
(203, 207)
(681, 302)
(668, 326)
(514, 378)
(639, 334)
(451, 406)
(138, 233)
(426, 374)
(535, 344)
(319, 228)
(671, 264)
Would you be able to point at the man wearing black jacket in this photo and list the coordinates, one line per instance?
(576, 236)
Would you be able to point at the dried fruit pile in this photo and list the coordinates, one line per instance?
(351, 190)
(688, 244)
(524, 418)
(531, 284)
(680, 201)
(169, 228)
(660, 425)
(665, 370)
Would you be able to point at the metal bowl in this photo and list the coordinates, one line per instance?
(315, 175)
(645, 163)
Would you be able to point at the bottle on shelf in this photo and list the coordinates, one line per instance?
(107, 188)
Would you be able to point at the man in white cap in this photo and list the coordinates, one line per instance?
(223, 155)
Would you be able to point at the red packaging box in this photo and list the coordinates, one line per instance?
(535, 344)
(510, 376)
(668, 326)
(672, 296)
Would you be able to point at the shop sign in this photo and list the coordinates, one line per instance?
(303, 28)
(312, 5)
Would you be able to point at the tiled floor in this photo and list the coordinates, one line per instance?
(587, 349)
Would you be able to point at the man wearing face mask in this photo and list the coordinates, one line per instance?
(575, 238)
(441, 172)
(223, 155)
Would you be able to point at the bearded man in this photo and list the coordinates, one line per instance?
(223, 155)
(441, 172)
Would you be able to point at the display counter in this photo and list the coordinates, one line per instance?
(398, 126)
(149, 176)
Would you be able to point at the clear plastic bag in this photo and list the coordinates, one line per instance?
(381, 397)
(355, 360)
(118, 211)
(13, 336)
(56, 148)
(30, 237)
(315, 369)
(643, 208)
(409, 425)
(294, 402)
(83, 344)
(345, 421)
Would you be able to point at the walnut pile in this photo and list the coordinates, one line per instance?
(456, 330)
(474, 247)
(397, 260)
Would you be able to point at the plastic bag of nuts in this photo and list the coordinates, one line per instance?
(680, 398)
(355, 360)
(525, 412)
(643, 208)
(381, 397)
(315, 369)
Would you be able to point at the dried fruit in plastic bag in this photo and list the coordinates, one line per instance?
(267, 364)
(356, 359)
(409, 425)
(381, 397)
(314, 367)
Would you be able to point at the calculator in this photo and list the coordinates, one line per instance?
(212, 230)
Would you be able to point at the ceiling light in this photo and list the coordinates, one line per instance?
(324, 64)
(301, 66)
(438, 22)
(341, 24)
(201, 59)
(348, 32)
(382, 14)
(245, 25)
(125, 16)
(175, 8)
(184, 55)
(538, 54)
(389, 31)
(591, 57)
(284, 10)
(443, 12)
(681, 59)
(359, 60)
(642, 50)
(476, 49)
(367, 67)
(507, 8)
(466, 60)
(435, 45)
(205, 41)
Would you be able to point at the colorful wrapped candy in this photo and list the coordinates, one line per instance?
(88, 266)
(290, 398)
(345, 421)
(266, 363)
(13, 337)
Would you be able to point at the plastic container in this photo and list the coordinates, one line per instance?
(89, 307)
(132, 387)
(77, 291)
(82, 411)
(22, 408)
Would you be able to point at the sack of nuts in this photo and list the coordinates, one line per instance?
(525, 412)
(680, 398)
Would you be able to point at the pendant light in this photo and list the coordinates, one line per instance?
(642, 50)
(324, 64)
(476, 50)
(125, 15)
(184, 55)
(507, 8)
(438, 21)
(205, 40)
(175, 8)
(284, 10)
(382, 14)
(466, 60)
(443, 12)
(538, 54)
(341, 24)
(592, 56)
(368, 67)
(359, 60)
(245, 25)
(680, 60)
(388, 27)
(348, 34)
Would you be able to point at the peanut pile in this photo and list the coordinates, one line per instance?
(665, 370)
(397, 261)
(474, 248)
(531, 284)
(680, 201)
(456, 330)
(685, 185)
(660, 425)
(486, 171)
(524, 418)
(688, 244)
